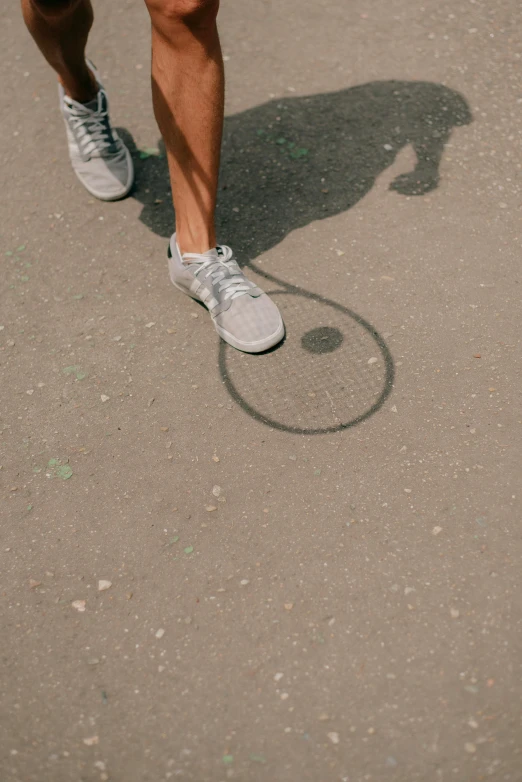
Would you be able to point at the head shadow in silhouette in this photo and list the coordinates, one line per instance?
(294, 160)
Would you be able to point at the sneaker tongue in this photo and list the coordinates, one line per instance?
(92, 105)
(209, 255)
(99, 103)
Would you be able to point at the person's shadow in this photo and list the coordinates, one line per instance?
(285, 164)
(291, 161)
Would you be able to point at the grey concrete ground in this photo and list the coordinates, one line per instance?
(314, 557)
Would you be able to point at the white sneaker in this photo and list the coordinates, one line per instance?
(243, 315)
(99, 158)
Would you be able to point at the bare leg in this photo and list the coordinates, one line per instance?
(60, 29)
(188, 96)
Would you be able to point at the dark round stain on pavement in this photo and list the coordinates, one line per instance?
(322, 340)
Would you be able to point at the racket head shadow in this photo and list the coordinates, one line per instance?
(333, 370)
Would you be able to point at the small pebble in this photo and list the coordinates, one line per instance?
(408, 491)
(103, 585)
(455, 613)
(334, 737)
(289, 606)
(436, 530)
(469, 747)
(216, 491)
(278, 677)
(244, 582)
(210, 508)
(372, 360)
(79, 605)
(215, 458)
(150, 325)
(104, 398)
(160, 633)
(91, 741)
(284, 696)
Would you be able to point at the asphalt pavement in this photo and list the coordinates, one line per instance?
(296, 567)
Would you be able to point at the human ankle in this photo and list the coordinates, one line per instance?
(81, 91)
(195, 243)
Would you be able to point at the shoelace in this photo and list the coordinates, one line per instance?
(91, 126)
(223, 271)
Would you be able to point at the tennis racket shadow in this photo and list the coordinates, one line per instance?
(285, 164)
